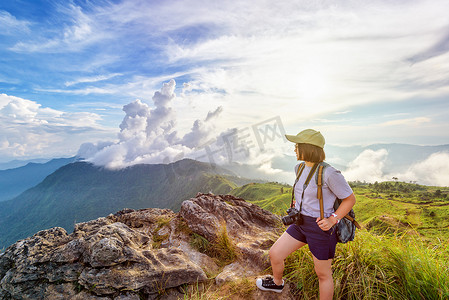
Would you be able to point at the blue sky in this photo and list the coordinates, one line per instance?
(361, 72)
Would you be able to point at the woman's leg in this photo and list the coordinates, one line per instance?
(285, 245)
(323, 269)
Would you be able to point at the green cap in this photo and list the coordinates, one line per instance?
(308, 136)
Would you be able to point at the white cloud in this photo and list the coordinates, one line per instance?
(431, 171)
(83, 91)
(19, 110)
(10, 24)
(367, 166)
(74, 37)
(148, 135)
(30, 130)
(414, 121)
(312, 56)
(268, 169)
(92, 79)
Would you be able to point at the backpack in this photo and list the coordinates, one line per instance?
(347, 225)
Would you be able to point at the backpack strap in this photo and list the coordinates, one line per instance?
(306, 183)
(353, 221)
(319, 183)
(319, 179)
(298, 174)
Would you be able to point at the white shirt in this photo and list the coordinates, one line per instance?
(334, 185)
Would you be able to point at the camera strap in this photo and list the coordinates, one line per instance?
(306, 183)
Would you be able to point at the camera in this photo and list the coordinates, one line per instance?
(293, 216)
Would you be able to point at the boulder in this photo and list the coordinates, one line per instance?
(252, 229)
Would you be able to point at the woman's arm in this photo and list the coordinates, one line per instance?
(344, 208)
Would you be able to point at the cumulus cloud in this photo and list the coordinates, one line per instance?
(20, 110)
(367, 166)
(431, 171)
(201, 130)
(148, 134)
(30, 130)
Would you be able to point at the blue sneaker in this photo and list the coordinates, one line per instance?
(267, 284)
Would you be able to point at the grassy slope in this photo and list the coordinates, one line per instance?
(389, 264)
(271, 196)
(418, 210)
(387, 210)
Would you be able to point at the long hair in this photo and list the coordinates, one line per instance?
(312, 153)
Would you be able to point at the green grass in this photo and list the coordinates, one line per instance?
(377, 267)
(276, 204)
(271, 196)
(260, 191)
(429, 217)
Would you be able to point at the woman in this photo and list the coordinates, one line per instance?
(317, 233)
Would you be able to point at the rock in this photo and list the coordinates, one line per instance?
(165, 268)
(207, 212)
(60, 291)
(114, 244)
(138, 253)
(127, 296)
(252, 229)
(200, 259)
(233, 272)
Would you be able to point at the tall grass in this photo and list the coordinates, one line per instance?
(221, 249)
(202, 292)
(378, 267)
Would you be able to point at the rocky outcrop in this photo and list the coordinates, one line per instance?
(140, 254)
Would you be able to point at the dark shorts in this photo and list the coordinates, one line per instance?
(321, 243)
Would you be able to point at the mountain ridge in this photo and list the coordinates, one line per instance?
(17, 180)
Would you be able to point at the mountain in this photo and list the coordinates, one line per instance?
(15, 181)
(20, 163)
(80, 191)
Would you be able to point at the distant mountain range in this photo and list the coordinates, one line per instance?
(20, 163)
(15, 181)
(80, 191)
